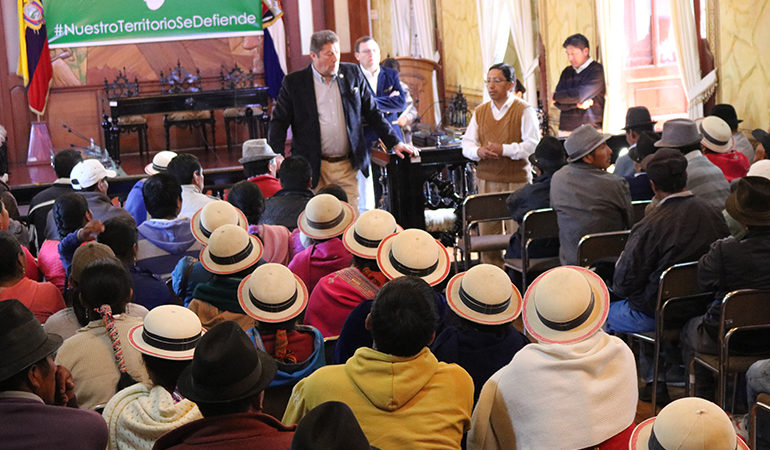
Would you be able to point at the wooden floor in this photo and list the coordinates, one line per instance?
(132, 164)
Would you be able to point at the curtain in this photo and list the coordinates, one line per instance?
(520, 13)
(493, 34)
(696, 88)
(613, 58)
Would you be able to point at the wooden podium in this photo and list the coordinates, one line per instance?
(417, 73)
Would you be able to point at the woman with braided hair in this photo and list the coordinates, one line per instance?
(96, 355)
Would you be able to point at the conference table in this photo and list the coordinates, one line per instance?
(184, 101)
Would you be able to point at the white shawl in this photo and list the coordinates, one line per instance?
(558, 396)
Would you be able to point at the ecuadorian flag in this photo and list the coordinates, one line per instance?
(34, 57)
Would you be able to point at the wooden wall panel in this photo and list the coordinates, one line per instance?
(458, 25)
(382, 26)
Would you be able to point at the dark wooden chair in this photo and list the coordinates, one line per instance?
(537, 224)
(744, 310)
(598, 246)
(254, 116)
(483, 208)
(178, 81)
(639, 209)
(122, 87)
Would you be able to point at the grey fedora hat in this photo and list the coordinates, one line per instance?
(583, 141)
(679, 133)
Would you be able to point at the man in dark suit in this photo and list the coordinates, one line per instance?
(391, 101)
(326, 104)
(580, 91)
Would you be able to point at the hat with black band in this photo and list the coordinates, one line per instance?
(413, 252)
(168, 332)
(272, 293)
(325, 217)
(364, 235)
(231, 249)
(485, 295)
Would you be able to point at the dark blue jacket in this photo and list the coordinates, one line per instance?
(574, 88)
(296, 107)
(149, 290)
(639, 185)
(389, 105)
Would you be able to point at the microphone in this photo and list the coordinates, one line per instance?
(76, 133)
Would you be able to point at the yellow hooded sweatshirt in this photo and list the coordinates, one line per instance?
(400, 402)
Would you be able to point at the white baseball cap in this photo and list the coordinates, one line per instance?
(88, 172)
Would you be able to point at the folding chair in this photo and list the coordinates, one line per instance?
(759, 418)
(537, 224)
(483, 208)
(596, 246)
(679, 299)
(639, 207)
(742, 310)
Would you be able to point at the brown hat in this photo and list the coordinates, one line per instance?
(749, 203)
(87, 253)
(665, 164)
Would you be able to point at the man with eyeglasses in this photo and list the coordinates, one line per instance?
(501, 135)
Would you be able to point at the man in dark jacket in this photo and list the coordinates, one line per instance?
(285, 206)
(680, 229)
(43, 201)
(580, 91)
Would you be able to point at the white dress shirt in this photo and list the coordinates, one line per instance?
(371, 78)
(584, 65)
(530, 134)
(193, 200)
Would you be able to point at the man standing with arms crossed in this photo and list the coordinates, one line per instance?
(580, 91)
(325, 105)
(501, 135)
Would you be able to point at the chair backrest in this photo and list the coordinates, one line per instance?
(680, 298)
(121, 87)
(236, 78)
(329, 344)
(484, 208)
(180, 80)
(596, 246)
(538, 224)
(679, 280)
(639, 207)
(744, 308)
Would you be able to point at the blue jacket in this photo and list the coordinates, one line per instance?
(389, 105)
(290, 374)
(135, 203)
(163, 242)
(149, 290)
(296, 107)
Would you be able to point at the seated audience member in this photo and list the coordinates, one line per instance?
(68, 321)
(763, 139)
(732, 264)
(96, 355)
(135, 200)
(639, 182)
(717, 146)
(575, 387)
(757, 382)
(138, 415)
(331, 426)
(299, 241)
(285, 206)
(479, 335)
(727, 113)
(338, 293)
(638, 121)
(247, 197)
(231, 255)
(259, 166)
(165, 236)
(689, 422)
(70, 213)
(680, 229)
(89, 178)
(704, 179)
(42, 298)
(549, 157)
(49, 264)
(275, 298)
(30, 266)
(188, 172)
(121, 236)
(35, 392)
(409, 252)
(402, 396)
(586, 198)
(226, 379)
(42, 203)
(324, 220)
(189, 271)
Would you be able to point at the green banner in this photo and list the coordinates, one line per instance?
(78, 23)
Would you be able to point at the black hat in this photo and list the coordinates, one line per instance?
(645, 146)
(638, 116)
(330, 425)
(749, 203)
(549, 154)
(226, 367)
(22, 339)
(727, 113)
(665, 164)
(763, 137)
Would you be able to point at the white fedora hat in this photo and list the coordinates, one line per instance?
(231, 249)
(159, 162)
(565, 305)
(272, 293)
(212, 216)
(484, 294)
(256, 150)
(413, 252)
(325, 217)
(687, 423)
(364, 235)
(717, 135)
(168, 332)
